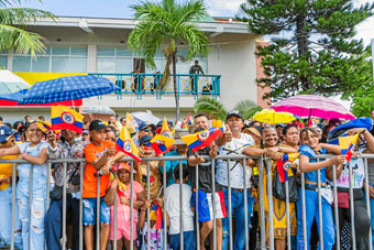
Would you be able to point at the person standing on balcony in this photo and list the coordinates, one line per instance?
(67, 148)
(195, 70)
(237, 172)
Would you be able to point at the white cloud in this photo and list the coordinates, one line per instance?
(224, 8)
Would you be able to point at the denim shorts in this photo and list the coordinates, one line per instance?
(90, 210)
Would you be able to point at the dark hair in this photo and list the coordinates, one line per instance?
(200, 115)
(27, 116)
(252, 124)
(185, 171)
(308, 129)
(288, 126)
(41, 118)
(15, 124)
(1, 118)
(122, 119)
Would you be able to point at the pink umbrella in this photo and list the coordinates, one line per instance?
(313, 106)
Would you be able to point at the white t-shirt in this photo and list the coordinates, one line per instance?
(236, 169)
(172, 206)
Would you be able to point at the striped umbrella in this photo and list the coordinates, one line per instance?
(313, 106)
(68, 88)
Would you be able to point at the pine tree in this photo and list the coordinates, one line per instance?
(312, 48)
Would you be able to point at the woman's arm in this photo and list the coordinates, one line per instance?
(306, 166)
(39, 160)
(10, 151)
(143, 210)
(369, 140)
(111, 193)
(329, 172)
(335, 149)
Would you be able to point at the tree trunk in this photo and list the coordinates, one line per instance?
(302, 46)
(176, 94)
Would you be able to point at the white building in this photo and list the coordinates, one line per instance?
(98, 45)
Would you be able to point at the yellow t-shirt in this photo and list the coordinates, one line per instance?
(6, 169)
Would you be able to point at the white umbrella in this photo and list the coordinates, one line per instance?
(10, 83)
(145, 117)
(100, 110)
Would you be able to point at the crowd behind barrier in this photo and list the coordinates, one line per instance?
(249, 189)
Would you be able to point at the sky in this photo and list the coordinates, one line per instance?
(121, 9)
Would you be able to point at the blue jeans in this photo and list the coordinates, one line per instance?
(53, 223)
(311, 208)
(188, 240)
(237, 209)
(90, 211)
(6, 220)
(371, 216)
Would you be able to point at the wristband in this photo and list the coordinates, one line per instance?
(23, 155)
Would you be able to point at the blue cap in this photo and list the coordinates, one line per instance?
(5, 133)
(145, 139)
(144, 125)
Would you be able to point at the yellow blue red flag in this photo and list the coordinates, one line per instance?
(165, 129)
(201, 139)
(66, 118)
(131, 124)
(347, 144)
(44, 125)
(284, 164)
(218, 124)
(161, 144)
(126, 145)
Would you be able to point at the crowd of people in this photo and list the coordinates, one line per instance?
(202, 185)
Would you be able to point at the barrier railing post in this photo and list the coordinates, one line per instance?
(115, 226)
(98, 214)
(164, 210)
(30, 203)
(48, 174)
(132, 206)
(261, 201)
(63, 206)
(82, 166)
(213, 200)
(269, 187)
(181, 237)
(303, 204)
(367, 196)
(352, 208)
(288, 214)
(196, 207)
(336, 208)
(148, 210)
(229, 208)
(321, 236)
(245, 206)
(12, 225)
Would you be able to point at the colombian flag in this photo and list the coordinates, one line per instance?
(201, 139)
(218, 124)
(131, 124)
(44, 125)
(165, 129)
(122, 188)
(126, 145)
(185, 123)
(156, 215)
(283, 165)
(347, 144)
(161, 144)
(66, 118)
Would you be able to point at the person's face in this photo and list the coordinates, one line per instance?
(34, 134)
(147, 151)
(98, 135)
(145, 131)
(309, 138)
(182, 149)
(201, 122)
(85, 137)
(110, 135)
(28, 119)
(292, 136)
(270, 137)
(255, 124)
(279, 131)
(124, 175)
(235, 123)
(113, 119)
(68, 134)
(256, 138)
(123, 122)
(319, 132)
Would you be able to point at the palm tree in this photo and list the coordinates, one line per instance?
(167, 24)
(12, 28)
(215, 108)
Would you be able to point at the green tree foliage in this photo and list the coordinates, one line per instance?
(165, 25)
(312, 49)
(13, 21)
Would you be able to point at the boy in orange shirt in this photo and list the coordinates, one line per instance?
(99, 155)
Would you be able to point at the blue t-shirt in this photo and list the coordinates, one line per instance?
(308, 151)
(170, 166)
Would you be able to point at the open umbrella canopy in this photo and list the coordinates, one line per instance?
(100, 110)
(313, 106)
(145, 117)
(68, 88)
(271, 117)
(10, 83)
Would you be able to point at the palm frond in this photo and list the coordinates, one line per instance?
(22, 16)
(210, 106)
(247, 107)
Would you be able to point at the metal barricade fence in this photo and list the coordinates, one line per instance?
(266, 242)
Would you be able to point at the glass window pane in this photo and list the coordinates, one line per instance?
(124, 65)
(105, 52)
(78, 64)
(47, 51)
(60, 50)
(124, 52)
(21, 63)
(79, 51)
(4, 62)
(40, 64)
(60, 64)
(106, 65)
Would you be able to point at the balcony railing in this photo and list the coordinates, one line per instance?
(147, 84)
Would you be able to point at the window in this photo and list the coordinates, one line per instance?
(55, 59)
(3, 60)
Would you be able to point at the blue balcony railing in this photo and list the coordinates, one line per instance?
(147, 85)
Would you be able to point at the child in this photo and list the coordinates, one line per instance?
(309, 165)
(173, 210)
(98, 156)
(121, 185)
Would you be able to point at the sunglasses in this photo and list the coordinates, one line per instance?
(147, 129)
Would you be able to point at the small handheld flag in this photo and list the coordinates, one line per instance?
(66, 118)
(185, 123)
(165, 129)
(218, 124)
(126, 145)
(44, 125)
(131, 124)
(161, 144)
(283, 164)
(201, 139)
(347, 144)
(156, 215)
